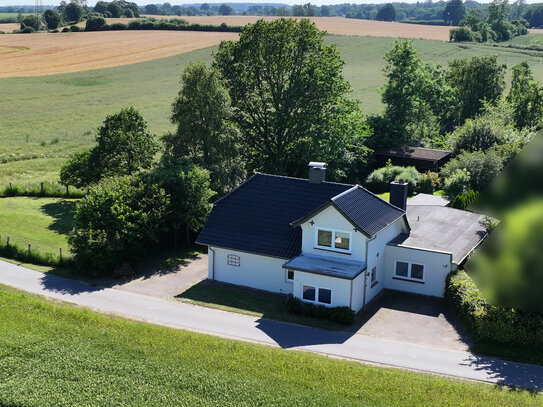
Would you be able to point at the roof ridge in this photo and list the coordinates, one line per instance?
(304, 179)
(343, 193)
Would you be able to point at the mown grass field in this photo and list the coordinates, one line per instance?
(44, 119)
(55, 354)
(42, 222)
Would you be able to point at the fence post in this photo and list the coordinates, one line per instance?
(7, 240)
(41, 187)
(10, 187)
(60, 253)
(29, 248)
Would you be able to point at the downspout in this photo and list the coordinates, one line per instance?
(212, 263)
(366, 271)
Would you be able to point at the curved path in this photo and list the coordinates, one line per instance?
(242, 327)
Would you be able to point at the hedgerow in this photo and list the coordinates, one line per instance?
(488, 323)
(339, 315)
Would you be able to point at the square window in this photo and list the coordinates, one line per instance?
(233, 260)
(342, 241)
(325, 296)
(308, 293)
(402, 269)
(324, 238)
(373, 274)
(417, 271)
(290, 275)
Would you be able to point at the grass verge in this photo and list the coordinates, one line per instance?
(248, 301)
(56, 354)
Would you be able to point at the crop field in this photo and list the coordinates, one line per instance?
(44, 119)
(56, 354)
(45, 54)
(9, 27)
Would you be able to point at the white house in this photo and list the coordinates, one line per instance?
(333, 244)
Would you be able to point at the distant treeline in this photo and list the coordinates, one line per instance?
(98, 23)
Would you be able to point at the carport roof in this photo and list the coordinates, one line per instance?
(443, 229)
(326, 266)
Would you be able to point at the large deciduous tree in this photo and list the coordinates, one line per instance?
(475, 81)
(454, 12)
(73, 12)
(525, 97)
(52, 19)
(386, 13)
(124, 143)
(202, 113)
(288, 97)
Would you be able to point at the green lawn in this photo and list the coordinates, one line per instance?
(530, 40)
(40, 128)
(248, 301)
(43, 222)
(56, 354)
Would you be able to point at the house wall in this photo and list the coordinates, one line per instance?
(358, 292)
(330, 218)
(376, 256)
(341, 288)
(436, 267)
(256, 271)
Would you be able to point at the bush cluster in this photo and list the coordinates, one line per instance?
(379, 180)
(463, 201)
(338, 315)
(489, 323)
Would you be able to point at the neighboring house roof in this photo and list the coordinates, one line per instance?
(365, 210)
(327, 266)
(429, 200)
(256, 217)
(443, 229)
(418, 153)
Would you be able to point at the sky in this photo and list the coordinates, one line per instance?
(173, 2)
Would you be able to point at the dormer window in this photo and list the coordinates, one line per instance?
(333, 240)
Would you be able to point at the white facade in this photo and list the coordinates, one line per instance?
(256, 271)
(436, 267)
(376, 254)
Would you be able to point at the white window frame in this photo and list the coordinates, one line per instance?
(317, 289)
(409, 266)
(372, 280)
(333, 248)
(288, 280)
(231, 259)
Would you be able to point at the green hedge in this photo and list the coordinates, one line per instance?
(338, 315)
(50, 190)
(488, 323)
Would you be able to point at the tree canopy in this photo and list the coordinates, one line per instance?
(386, 13)
(204, 133)
(289, 97)
(454, 12)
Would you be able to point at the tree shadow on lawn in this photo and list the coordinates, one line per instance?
(272, 312)
(63, 214)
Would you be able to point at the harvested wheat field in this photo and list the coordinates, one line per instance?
(44, 54)
(9, 27)
(346, 26)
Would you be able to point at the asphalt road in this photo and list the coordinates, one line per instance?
(242, 327)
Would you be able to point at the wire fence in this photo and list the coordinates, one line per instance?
(21, 249)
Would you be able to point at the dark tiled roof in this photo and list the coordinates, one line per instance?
(367, 211)
(419, 153)
(256, 217)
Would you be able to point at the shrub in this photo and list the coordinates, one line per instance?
(489, 323)
(95, 23)
(75, 28)
(481, 133)
(428, 182)
(118, 221)
(27, 30)
(482, 167)
(378, 181)
(115, 27)
(458, 183)
(338, 315)
(461, 34)
(463, 201)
